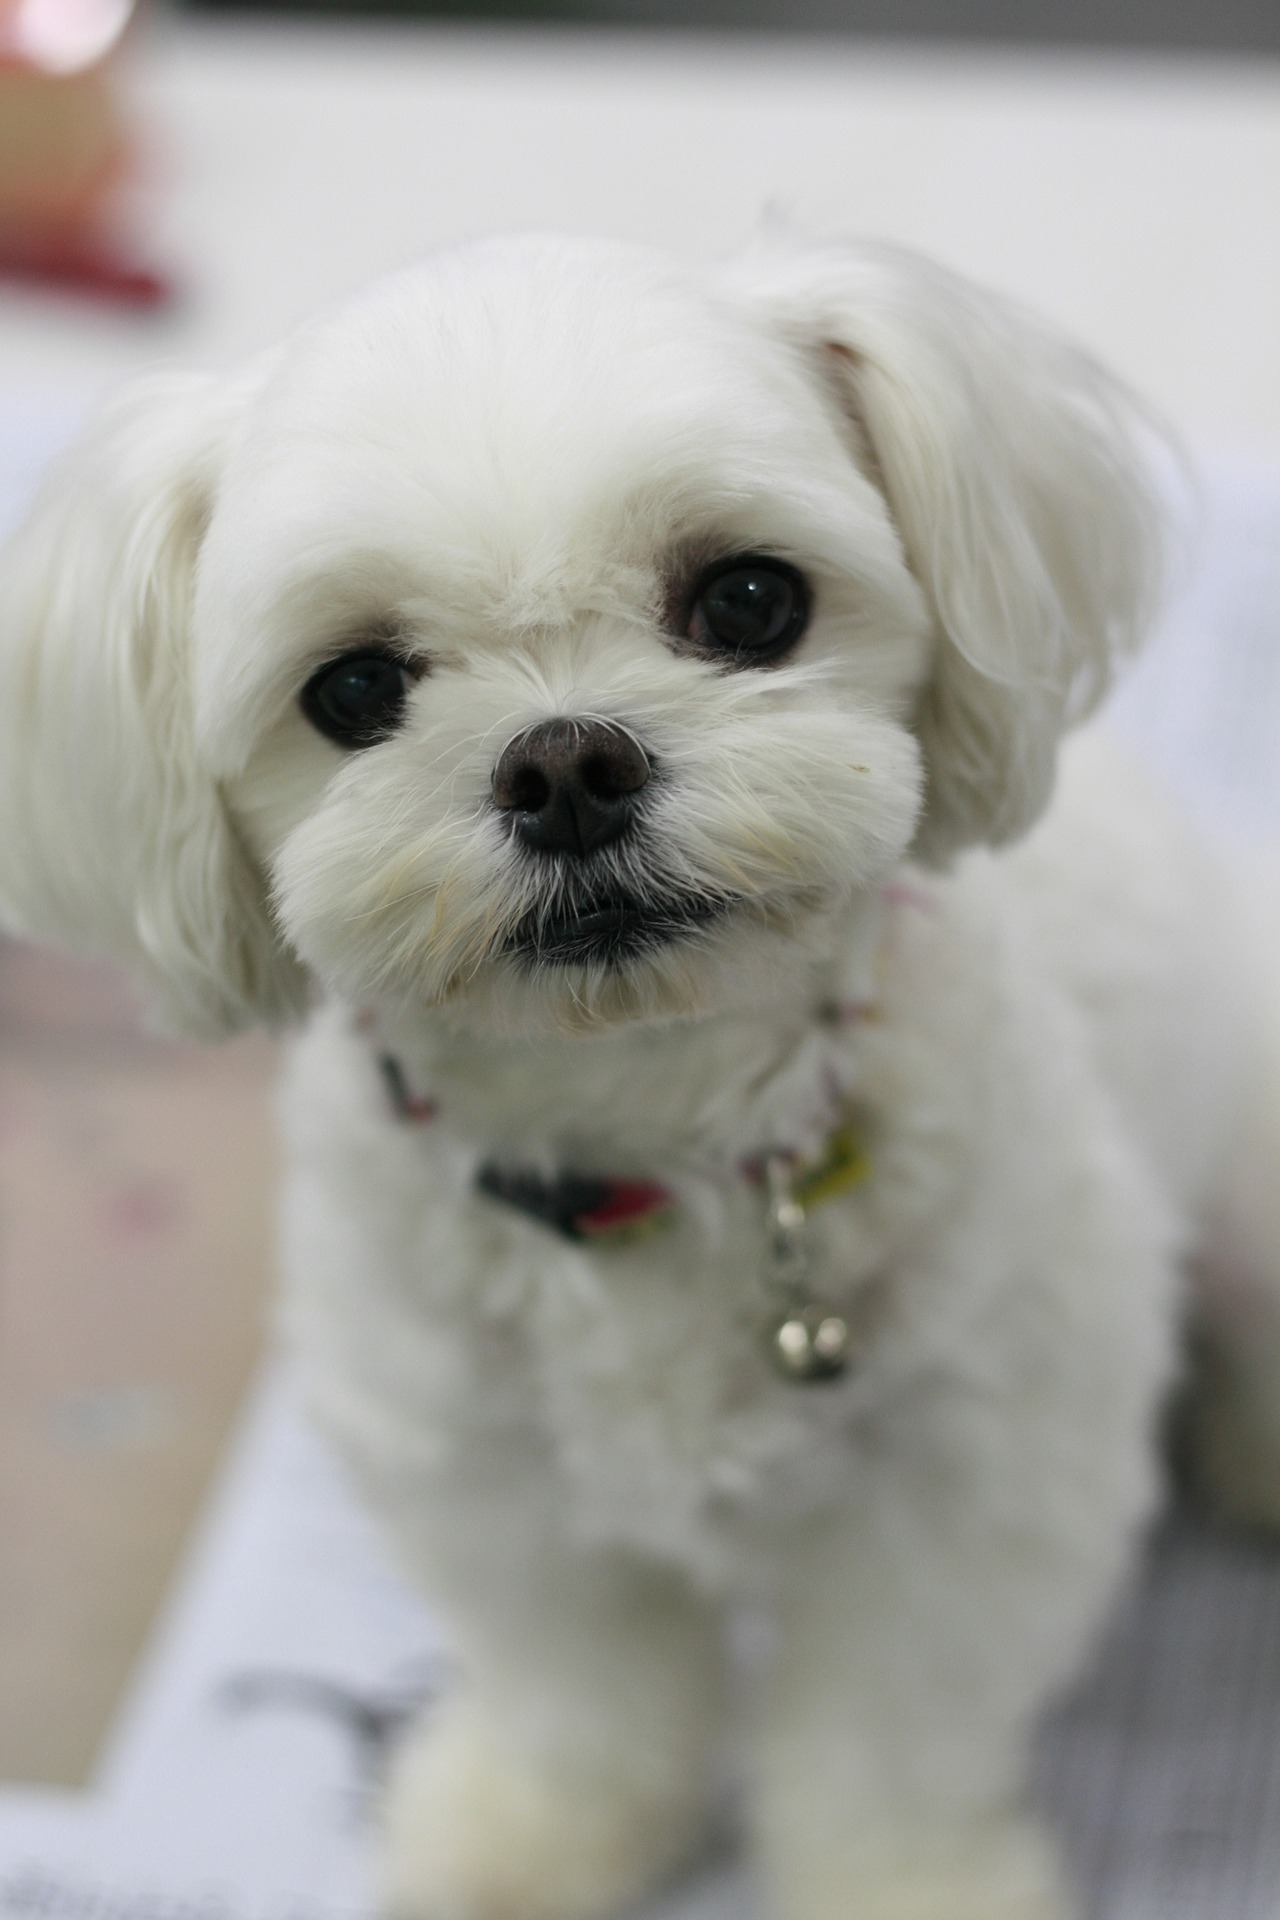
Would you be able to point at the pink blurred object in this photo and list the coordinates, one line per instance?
(65, 151)
(61, 36)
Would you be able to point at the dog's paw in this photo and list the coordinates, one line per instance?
(473, 1833)
(997, 1871)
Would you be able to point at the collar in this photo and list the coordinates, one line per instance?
(808, 1339)
(601, 1207)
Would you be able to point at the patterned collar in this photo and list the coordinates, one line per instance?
(601, 1207)
(808, 1339)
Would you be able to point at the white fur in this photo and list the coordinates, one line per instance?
(512, 456)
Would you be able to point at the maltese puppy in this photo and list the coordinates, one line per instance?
(739, 1160)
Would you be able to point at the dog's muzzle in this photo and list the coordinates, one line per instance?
(570, 787)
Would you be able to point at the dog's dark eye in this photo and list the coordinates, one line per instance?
(751, 609)
(359, 699)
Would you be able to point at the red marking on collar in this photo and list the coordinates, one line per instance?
(629, 1201)
(415, 1109)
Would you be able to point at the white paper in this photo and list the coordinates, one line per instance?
(237, 1774)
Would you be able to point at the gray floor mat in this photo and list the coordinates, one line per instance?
(1162, 1771)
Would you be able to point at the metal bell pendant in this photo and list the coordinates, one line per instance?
(813, 1343)
(809, 1341)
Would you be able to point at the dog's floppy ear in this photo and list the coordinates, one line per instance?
(1012, 465)
(113, 836)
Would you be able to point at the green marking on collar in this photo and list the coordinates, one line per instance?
(843, 1164)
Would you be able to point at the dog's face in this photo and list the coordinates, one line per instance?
(558, 656)
(560, 637)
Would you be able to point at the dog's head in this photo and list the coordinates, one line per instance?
(558, 634)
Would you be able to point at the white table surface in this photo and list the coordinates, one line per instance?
(1137, 200)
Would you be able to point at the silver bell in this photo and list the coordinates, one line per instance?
(813, 1344)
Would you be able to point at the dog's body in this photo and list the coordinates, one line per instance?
(1043, 1049)
(583, 676)
(633, 1379)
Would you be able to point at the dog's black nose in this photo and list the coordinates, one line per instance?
(570, 785)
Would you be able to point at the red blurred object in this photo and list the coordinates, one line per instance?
(100, 271)
(65, 151)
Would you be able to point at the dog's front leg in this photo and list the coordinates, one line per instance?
(570, 1770)
(922, 1627)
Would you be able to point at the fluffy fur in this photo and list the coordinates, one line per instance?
(513, 460)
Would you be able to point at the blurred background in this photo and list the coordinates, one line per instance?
(184, 184)
(1237, 26)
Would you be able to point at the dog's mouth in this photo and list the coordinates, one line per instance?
(610, 929)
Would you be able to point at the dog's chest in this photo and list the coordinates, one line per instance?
(652, 1379)
(448, 1329)
(635, 1378)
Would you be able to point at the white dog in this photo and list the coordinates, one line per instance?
(596, 687)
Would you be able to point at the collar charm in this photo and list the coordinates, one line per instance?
(809, 1341)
